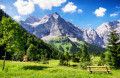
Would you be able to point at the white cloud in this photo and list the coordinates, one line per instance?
(80, 10)
(2, 6)
(24, 7)
(48, 4)
(113, 15)
(100, 12)
(70, 7)
(16, 17)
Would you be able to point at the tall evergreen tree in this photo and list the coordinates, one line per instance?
(113, 47)
(85, 55)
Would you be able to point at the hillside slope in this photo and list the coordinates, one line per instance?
(27, 39)
(65, 44)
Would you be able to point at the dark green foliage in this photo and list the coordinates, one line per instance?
(61, 58)
(78, 54)
(12, 36)
(75, 59)
(114, 48)
(32, 52)
(85, 55)
(16, 42)
(67, 57)
(2, 13)
(84, 65)
(61, 49)
(95, 50)
(73, 47)
(64, 58)
(85, 59)
(102, 60)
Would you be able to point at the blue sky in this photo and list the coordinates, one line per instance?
(83, 13)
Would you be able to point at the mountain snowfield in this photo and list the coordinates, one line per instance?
(53, 26)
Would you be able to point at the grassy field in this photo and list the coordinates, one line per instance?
(51, 70)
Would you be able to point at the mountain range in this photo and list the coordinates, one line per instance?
(52, 27)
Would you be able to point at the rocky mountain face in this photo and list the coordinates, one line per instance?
(104, 29)
(52, 26)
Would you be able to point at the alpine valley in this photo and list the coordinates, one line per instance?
(65, 36)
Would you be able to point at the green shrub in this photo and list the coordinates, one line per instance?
(84, 65)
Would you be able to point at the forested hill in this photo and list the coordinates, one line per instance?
(17, 42)
(2, 13)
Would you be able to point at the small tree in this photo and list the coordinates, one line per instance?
(32, 52)
(67, 57)
(85, 55)
(85, 58)
(61, 58)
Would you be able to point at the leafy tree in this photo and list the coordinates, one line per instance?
(78, 54)
(11, 35)
(75, 59)
(32, 52)
(85, 58)
(102, 59)
(67, 57)
(113, 47)
(85, 55)
(61, 58)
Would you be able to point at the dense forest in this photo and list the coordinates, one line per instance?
(16, 42)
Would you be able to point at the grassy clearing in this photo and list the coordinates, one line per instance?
(51, 70)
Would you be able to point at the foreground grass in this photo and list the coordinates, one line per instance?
(51, 70)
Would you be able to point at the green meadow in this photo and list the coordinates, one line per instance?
(18, 69)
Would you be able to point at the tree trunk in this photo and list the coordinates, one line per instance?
(4, 61)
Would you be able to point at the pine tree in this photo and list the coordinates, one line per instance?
(85, 55)
(113, 48)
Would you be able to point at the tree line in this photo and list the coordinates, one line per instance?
(16, 42)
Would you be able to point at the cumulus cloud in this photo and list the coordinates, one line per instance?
(2, 6)
(24, 7)
(113, 15)
(16, 17)
(48, 4)
(100, 12)
(70, 7)
(80, 10)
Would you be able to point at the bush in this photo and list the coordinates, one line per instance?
(84, 65)
(75, 59)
